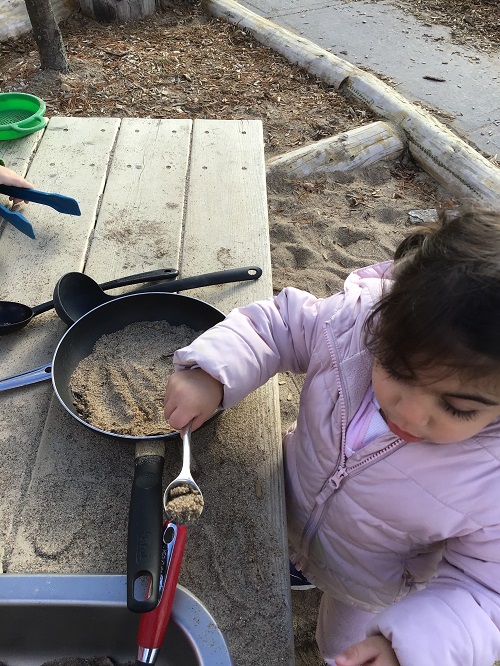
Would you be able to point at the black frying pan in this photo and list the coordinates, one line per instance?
(145, 517)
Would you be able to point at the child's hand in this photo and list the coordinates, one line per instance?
(191, 395)
(9, 177)
(373, 651)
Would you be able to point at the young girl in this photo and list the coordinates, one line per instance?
(393, 467)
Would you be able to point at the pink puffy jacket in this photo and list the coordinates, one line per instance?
(395, 518)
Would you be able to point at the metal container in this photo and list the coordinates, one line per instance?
(48, 617)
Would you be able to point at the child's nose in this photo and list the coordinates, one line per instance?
(413, 412)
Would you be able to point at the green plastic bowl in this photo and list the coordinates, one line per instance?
(20, 114)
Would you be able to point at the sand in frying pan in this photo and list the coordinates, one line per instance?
(120, 386)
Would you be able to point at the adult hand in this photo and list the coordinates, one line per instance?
(9, 177)
(191, 395)
(373, 651)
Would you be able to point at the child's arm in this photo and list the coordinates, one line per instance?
(9, 177)
(466, 614)
(240, 354)
(375, 650)
(253, 343)
(191, 395)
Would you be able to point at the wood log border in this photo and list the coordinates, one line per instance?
(349, 150)
(461, 169)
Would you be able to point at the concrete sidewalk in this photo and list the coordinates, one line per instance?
(393, 44)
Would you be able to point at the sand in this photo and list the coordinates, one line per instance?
(120, 386)
(184, 504)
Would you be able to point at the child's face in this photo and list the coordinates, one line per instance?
(436, 407)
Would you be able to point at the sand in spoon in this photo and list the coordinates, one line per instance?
(184, 504)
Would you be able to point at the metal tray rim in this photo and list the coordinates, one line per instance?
(109, 590)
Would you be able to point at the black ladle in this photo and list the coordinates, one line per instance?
(76, 294)
(14, 316)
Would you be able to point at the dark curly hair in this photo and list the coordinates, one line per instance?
(443, 307)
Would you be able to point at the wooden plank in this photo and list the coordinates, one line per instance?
(226, 214)
(241, 539)
(72, 159)
(138, 228)
(17, 153)
(140, 219)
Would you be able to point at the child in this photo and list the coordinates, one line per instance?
(9, 177)
(392, 469)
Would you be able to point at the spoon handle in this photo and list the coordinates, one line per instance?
(186, 451)
(205, 280)
(148, 276)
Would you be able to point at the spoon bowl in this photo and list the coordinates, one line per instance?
(75, 294)
(14, 316)
(183, 500)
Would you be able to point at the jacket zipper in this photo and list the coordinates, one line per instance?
(334, 483)
(341, 473)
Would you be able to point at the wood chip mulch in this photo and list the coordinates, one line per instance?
(474, 23)
(180, 63)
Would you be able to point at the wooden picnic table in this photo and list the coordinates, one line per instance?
(153, 193)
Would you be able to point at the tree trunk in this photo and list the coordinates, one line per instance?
(108, 11)
(47, 35)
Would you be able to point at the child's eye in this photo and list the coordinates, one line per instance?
(397, 376)
(466, 415)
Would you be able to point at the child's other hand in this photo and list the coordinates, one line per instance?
(191, 395)
(373, 651)
(9, 177)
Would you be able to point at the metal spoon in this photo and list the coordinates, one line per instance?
(76, 294)
(14, 316)
(184, 514)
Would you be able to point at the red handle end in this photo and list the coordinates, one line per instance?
(152, 625)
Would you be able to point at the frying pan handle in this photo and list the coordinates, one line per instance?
(145, 534)
(205, 280)
(152, 626)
